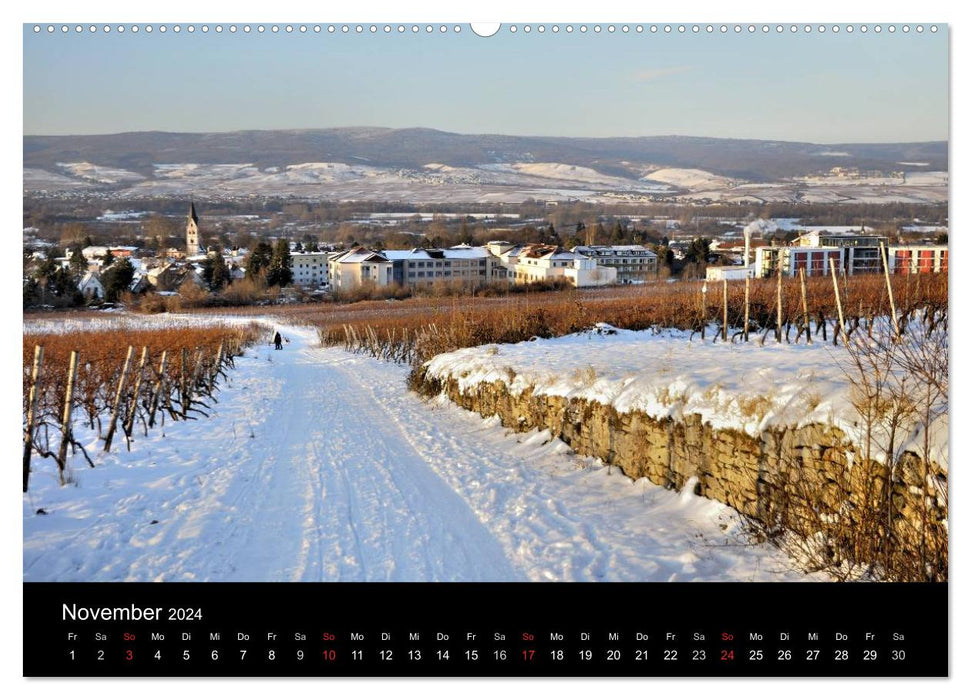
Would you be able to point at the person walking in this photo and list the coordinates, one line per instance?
(278, 341)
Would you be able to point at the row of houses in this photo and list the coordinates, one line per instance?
(848, 253)
(163, 274)
(497, 261)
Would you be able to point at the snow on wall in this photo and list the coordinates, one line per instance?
(668, 374)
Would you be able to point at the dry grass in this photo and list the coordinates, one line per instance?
(101, 354)
(413, 330)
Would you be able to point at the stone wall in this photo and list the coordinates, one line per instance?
(809, 479)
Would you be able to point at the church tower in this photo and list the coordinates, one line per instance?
(192, 246)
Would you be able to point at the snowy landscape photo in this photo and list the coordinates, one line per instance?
(663, 307)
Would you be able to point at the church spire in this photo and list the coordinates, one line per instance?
(192, 245)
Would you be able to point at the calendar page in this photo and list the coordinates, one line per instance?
(520, 349)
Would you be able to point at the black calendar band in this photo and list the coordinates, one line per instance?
(472, 629)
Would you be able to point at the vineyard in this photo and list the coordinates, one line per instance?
(788, 309)
(117, 381)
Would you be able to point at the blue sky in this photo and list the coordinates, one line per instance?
(826, 88)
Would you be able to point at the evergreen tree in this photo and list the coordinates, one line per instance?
(62, 285)
(215, 273)
(117, 278)
(107, 260)
(278, 273)
(698, 250)
(46, 268)
(78, 263)
(259, 260)
(220, 272)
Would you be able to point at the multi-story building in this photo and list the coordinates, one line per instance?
(309, 269)
(848, 253)
(463, 263)
(909, 260)
(790, 259)
(496, 262)
(547, 263)
(860, 252)
(356, 267)
(634, 263)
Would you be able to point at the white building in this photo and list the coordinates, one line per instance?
(90, 286)
(549, 263)
(309, 269)
(357, 267)
(634, 263)
(914, 259)
(474, 265)
(717, 273)
(815, 261)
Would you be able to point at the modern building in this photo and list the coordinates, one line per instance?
(860, 251)
(790, 259)
(849, 253)
(549, 263)
(357, 267)
(634, 263)
(310, 270)
(474, 265)
(911, 260)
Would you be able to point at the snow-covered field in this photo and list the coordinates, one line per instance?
(320, 465)
(746, 387)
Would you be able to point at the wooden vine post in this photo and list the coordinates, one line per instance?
(725, 309)
(704, 308)
(158, 389)
(215, 369)
(839, 307)
(748, 281)
(133, 406)
(66, 416)
(32, 410)
(778, 303)
(805, 306)
(183, 389)
(886, 275)
(117, 405)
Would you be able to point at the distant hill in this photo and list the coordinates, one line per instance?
(413, 148)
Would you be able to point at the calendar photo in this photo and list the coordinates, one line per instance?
(538, 303)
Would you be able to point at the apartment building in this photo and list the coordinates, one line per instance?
(634, 263)
(474, 265)
(310, 270)
(546, 263)
(356, 267)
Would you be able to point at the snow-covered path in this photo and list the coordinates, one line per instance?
(317, 465)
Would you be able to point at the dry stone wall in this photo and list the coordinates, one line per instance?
(807, 479)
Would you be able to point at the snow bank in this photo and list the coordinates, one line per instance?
(668, 374)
